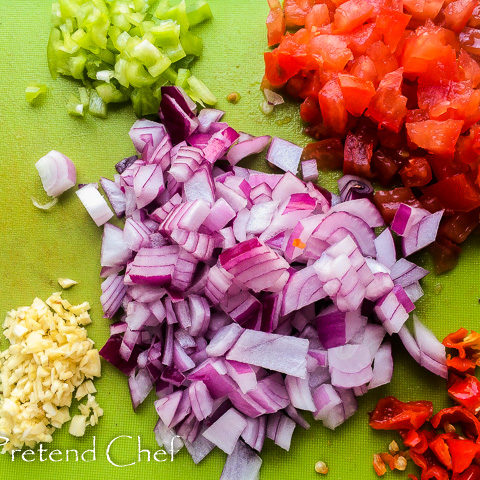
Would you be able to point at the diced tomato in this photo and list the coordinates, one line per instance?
(457, 14)
(333, 51)
(470, 40)
(390, 139)
(383, 59)
(351, 15)
(361, 38)
(425, 49)
(468, 148)
(458, 227)
(388, 106)
(474, 20)
(328, 153)
(446, 99)
(356, 92)
(456, 193)
(363, 67)
(423, 9)
(416, 172)
(444, 167)
(470, 68)
(388, 201)
(318, 16)
(275, 23)
(310, 110)
(304, 84)
(296, 11)
(280, 67)
(445, 255)
(432, 204)
(384, 167)
(392, 25)
(359, 146)
(332, 106)
(439, 137)
(416, 115)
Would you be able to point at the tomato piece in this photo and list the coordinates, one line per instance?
(388, 201)
(474, 20)
(457, 14)
(440, 448)
(456, 193)
(458, 227)
(332, 106)
(436, 136)
(318, 16)
(444, 167)
(356, 92)
(416, 115)
(445, 255)
(296, 11)
(333, 51)
(359, 146)
(470, 40)
(468, 147)
(363, 67)
(351, 15)
(310, 110)
(388, 106)
(275, 23)
(383, 59)
(416, 172)
(361, 38)
(425, 47)
(423, 9)
(470, 67)
(385, 166)
(463, 452)
(392, 24)
(392, 414)
(304, 84)
(279, 67)
(328, 153)
(466, 392)
(469, 422)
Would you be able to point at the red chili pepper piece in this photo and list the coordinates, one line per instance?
(440, 448)
(392, 414)
(411, 438)
(435, 473)
(466, 392)
(464, 342)
(461, 365)
(469, 422)
(471, 473)
(463, 452)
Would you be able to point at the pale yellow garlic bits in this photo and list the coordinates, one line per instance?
(49, 357)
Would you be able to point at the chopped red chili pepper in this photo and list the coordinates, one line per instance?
(465, 343)
(466, 392)
(411, 438)
(469, 422)
(440, 448)
(435, 473)
(392, 414)
(462, 452)
(461, 365)
(471, 473)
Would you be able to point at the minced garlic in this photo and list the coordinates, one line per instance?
(50, 355)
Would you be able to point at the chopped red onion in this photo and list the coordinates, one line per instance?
(57, 173)
(284, 155)
(95, 204)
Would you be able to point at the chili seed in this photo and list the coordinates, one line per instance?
(321, 467)
(393, 447)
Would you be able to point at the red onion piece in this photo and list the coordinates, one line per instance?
(284, 155)
(57, 173)
(246, 148)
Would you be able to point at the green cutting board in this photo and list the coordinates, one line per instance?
(38, 247)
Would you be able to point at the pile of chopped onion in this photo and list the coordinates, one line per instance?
(247, 296)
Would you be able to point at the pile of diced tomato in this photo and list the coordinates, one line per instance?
(389, 88)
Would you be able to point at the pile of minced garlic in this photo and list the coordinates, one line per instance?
(50, 355)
